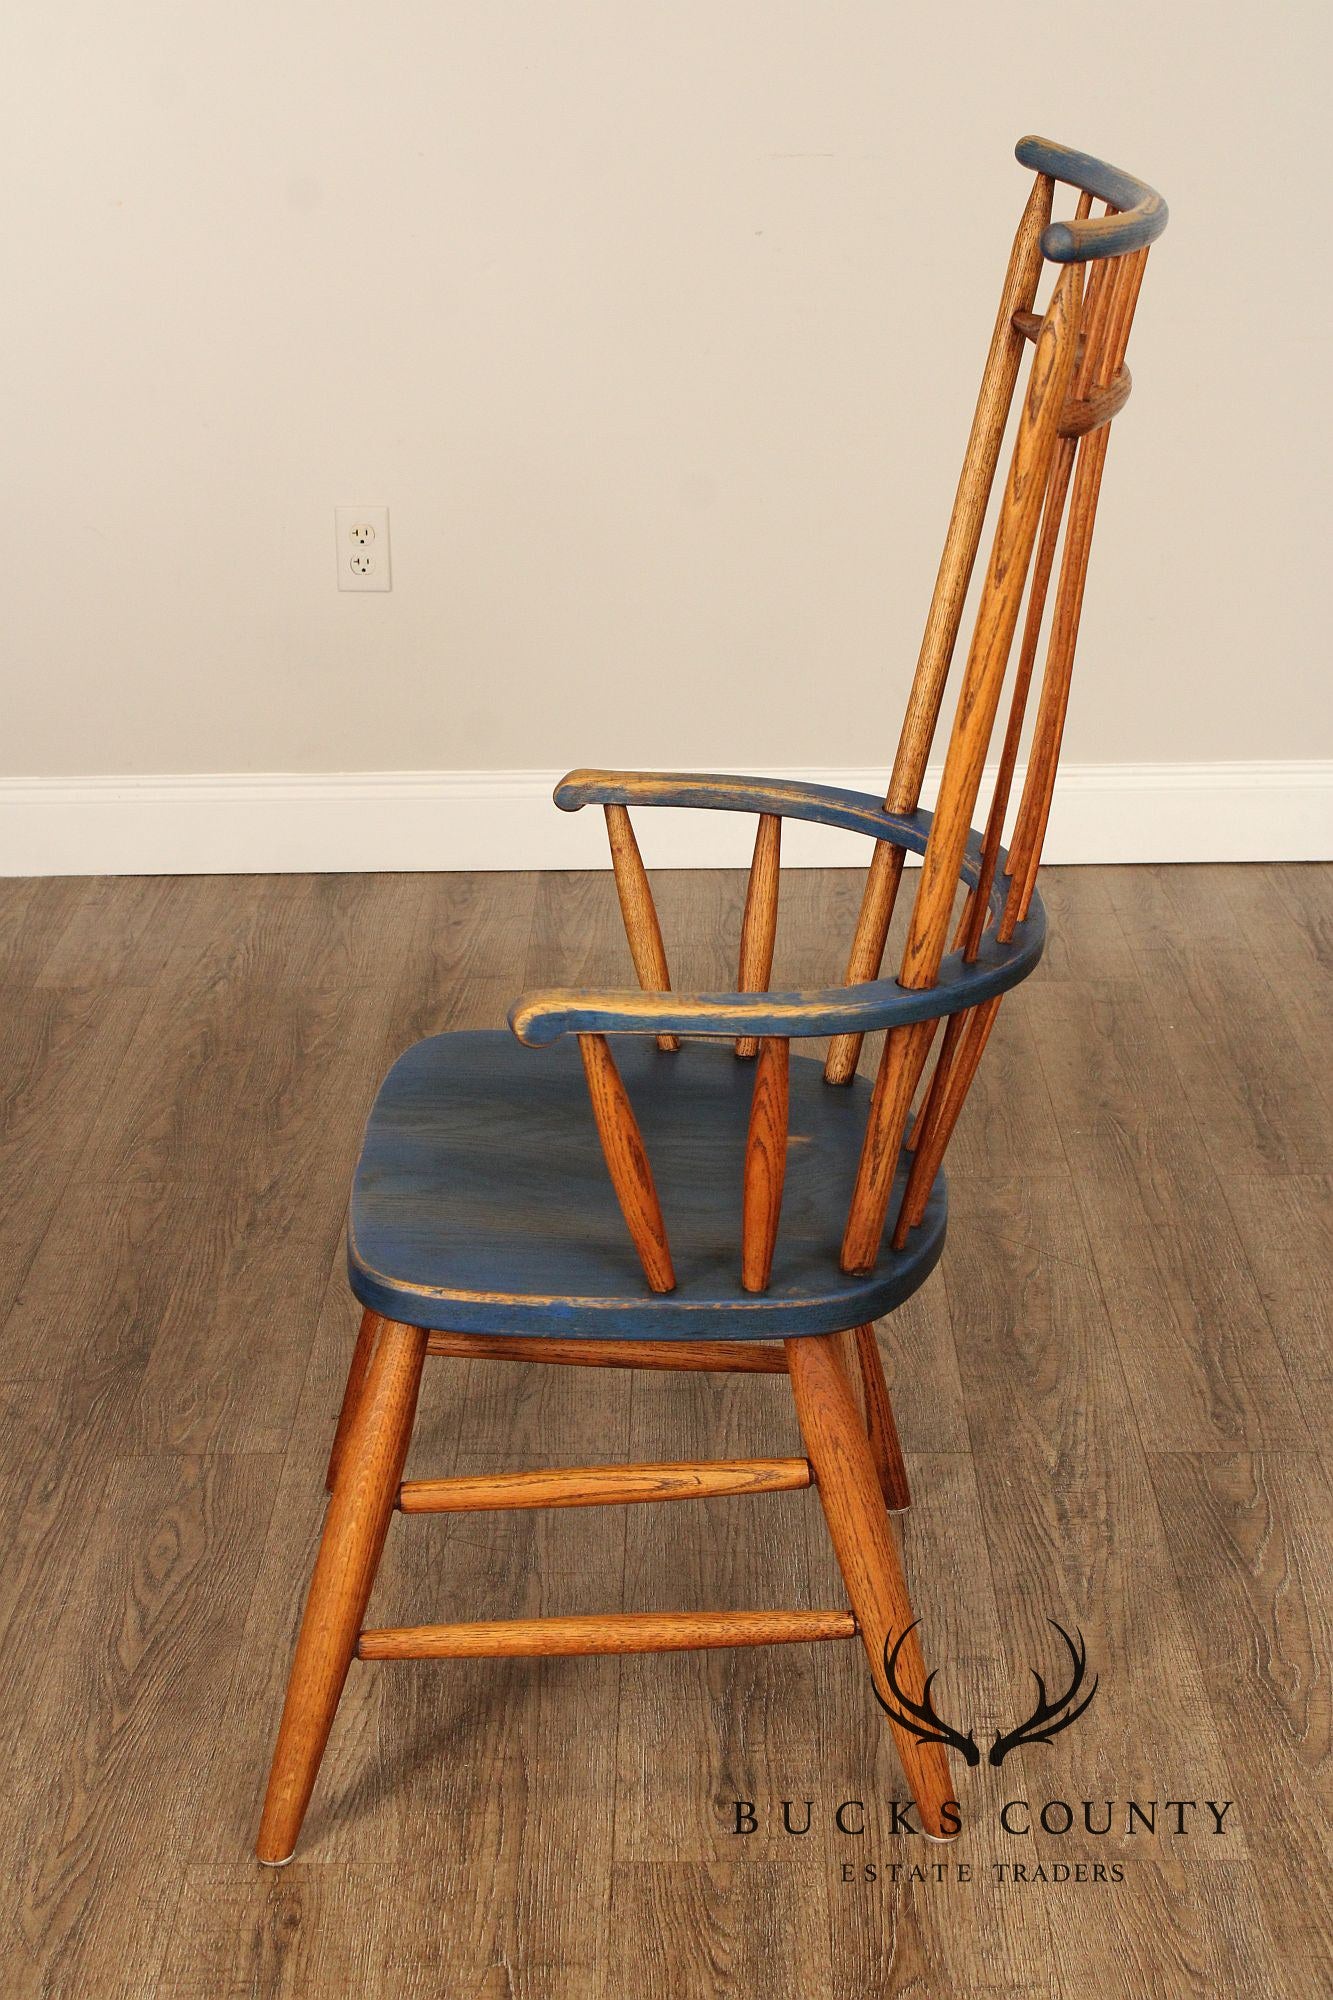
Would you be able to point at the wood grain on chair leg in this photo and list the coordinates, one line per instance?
(349, 1553)
(356, 1376)
(849, 1491)
(885, 1448)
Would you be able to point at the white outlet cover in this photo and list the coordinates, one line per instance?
(362, 535)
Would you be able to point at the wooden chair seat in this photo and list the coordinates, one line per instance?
(482, 1204)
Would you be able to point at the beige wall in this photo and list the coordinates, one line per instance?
(657, 328)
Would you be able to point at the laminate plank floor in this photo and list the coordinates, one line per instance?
(1114, 1398)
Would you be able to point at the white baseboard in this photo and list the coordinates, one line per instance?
(270, 822)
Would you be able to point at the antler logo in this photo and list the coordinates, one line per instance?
(919, 1717)
(1047, 1719)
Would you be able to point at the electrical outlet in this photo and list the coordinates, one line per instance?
(362, 536)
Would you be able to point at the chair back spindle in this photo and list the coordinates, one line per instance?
(638, 910)
(1081, 452)
(997, 618)
(627, 1161)
(759, 925)
(945, 616)
(765, 1162)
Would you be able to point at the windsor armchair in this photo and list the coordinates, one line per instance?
(491, 1215)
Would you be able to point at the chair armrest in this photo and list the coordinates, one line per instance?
(829, 805)
(546, 1014)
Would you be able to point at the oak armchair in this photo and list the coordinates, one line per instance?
(642, 1178)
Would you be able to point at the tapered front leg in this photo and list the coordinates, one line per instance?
(356, 1380)
(369, 1472)
(849, 1490)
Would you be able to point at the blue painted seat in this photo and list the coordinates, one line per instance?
(482, 1203)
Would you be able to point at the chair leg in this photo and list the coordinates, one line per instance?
(356, 1376)
(849, 1490)
(349, 1554)
(884, 1445)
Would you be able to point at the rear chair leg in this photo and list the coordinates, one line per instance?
(355, 1526)
(849, 1489)
(884, 1445)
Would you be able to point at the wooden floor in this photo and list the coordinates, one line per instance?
(1114, 1397)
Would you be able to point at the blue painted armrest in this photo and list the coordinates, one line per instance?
(545, 1015)
(828, 805)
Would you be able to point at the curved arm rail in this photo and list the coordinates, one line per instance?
(544, 1016)
(1142, 217)
(828, 805)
